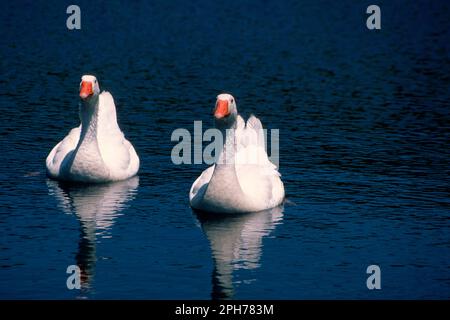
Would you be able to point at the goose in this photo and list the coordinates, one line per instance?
(243, 179)
(96, 151)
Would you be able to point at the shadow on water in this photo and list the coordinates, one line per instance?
(96, 207)
(236, 243)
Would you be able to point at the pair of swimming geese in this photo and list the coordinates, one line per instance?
(243, 179)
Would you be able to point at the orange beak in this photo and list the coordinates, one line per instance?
(86, 89)
(221, 109)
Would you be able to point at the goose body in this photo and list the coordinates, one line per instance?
(97, 150)
(243, 179)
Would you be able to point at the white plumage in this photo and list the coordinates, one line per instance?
(97, 150)
(243, 178)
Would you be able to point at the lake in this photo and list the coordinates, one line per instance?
(363, 118)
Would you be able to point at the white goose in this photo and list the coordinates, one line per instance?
(243, 178)
(97, 150)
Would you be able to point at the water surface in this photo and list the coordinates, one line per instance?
(364, 152)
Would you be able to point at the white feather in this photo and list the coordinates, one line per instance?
(250, 183)
(97, 150)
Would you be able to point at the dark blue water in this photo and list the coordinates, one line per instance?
(364, 149)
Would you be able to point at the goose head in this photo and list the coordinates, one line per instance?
(225, 111)
(89, 88)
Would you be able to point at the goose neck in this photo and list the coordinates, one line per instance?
(89, 115)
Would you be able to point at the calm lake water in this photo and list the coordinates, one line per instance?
(364, 149)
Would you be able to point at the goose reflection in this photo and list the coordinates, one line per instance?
(96, 207)
(236, 243)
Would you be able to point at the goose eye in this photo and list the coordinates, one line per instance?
(232, 100)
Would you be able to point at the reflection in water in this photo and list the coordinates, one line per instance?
(236, 243)
(96, 207)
